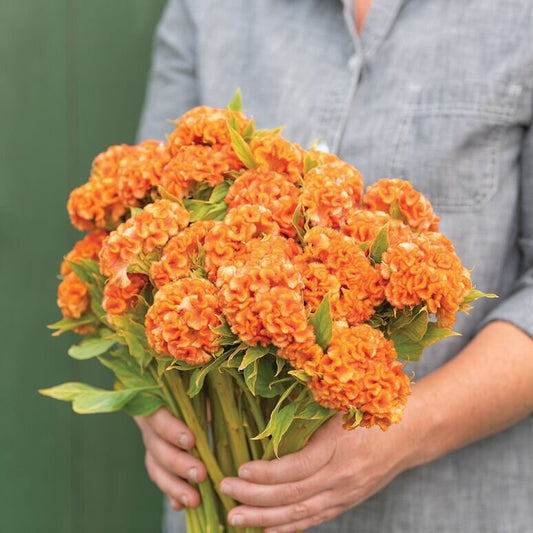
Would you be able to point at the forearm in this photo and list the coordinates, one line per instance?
(485, 389)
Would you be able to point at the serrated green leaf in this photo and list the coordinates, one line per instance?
(143, 405)
(322, 323)
(380, 244)
(242, 150)
(236, 102)
(91, 347)
(102, 401)
(67, 391)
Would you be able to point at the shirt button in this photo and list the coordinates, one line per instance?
(353, 62)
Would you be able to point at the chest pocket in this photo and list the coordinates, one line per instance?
(450, 141)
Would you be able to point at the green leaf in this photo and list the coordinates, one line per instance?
(128, 371)
(134, 335)
(309, 163)
(406, 348)
(249, 131)
(143, 404)
(472, 296)
(353, 417)
(379, 244)
(252, 354)
(241, 148)
(67, 391)
(300, 375)
(219, 192)
(322, 323)
(198, 376)
(434, 334)
(412, 322)
(314, 411)
(395, 212)
(281, 423)
(102, 401)
(68, 324)
(236, 102)
(296, 223)
(91, 347)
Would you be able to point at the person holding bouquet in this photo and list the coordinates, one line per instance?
(439, 93)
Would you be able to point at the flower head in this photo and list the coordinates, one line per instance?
(359, 370)
(180, 321)
(426, 270)
(331, 192)
(88, 248)
(118, 300)
(398, 194)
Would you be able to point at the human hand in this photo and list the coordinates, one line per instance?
(170, 466)
(335, 471)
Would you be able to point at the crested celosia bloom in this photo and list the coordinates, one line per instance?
(354, 285)
(87, 248)
(364, 225)
(181, 320)
(118, 300)
(140, 235)
(140, 170)
(273, 152)
(106, 164)
(199, 163)
(268, 189)
(414, 207)
(73, 297)
(359, 369)
(330, 193)
(240, 225)
(96, 204)
(181, 254)
(260, 294)
(321, 158)
(204, 125)
(426, 270)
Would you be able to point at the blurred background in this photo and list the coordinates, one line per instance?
(72, 80)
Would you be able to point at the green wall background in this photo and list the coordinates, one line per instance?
(72, 78)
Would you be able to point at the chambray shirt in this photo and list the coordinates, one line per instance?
(439, 92)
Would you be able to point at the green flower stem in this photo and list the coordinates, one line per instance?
(223, 391)
(195, 520)
(172, 380)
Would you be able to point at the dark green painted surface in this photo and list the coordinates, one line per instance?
(71, 83)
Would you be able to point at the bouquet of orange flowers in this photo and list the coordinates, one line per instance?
(229, 271)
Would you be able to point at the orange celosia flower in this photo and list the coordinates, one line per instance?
(140, 171)
(269, 189)
(354, 285)
(106, 164)
(180, 321)
(73, 297)
(260, 294)
(321, 158)
(96, 204)
(414, 207)
(363, 225)
(359, 369)
(273, 152)
(240, 225)
(330, 193)
(118, 300)
(140, 235)
(204, 125)
(180, 253)
(199, 163)
(426, 270)
(88, 248)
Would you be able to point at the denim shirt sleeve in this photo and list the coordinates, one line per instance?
(517, 307)
(171, 88)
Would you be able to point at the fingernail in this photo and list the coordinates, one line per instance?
(244, 473)
(225, 488)
(237, 520)
(184, 500)
(183, 440)
(192, 474)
